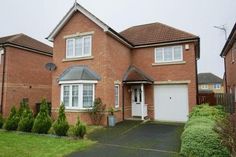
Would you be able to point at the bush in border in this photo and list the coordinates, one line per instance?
(42, 121)
(80, 129)
(61, 125)
(12, 120)
(26, 121)
(199, 138)
(1, 121)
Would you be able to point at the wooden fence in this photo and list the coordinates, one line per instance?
(225, 99)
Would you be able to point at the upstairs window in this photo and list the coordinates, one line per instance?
(217, 86)
(204, 86)
(79, 47)
(169, 54)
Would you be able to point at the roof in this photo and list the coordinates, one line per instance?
(77, 7)
(138, 35)
(206, 78)
(154, 33)
(230, 41)
(25, 41)
(134, 74)
(80, 72)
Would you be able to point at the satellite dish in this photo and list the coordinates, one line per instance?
(50, 66)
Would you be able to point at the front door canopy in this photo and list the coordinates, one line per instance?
(135, 75)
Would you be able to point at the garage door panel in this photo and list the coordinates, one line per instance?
(171, 102)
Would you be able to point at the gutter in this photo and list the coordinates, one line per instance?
(3, 79)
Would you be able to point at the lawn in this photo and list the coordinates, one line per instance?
(17, 144)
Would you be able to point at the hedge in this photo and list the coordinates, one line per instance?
(199, 138)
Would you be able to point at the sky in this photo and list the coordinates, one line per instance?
(38, 18)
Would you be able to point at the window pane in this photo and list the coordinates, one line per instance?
(66, 95)
(177, 53)
(78, 47)
(87, 95)
(87, 46)
(69, 47)
(168, 54)
(116, 96)
(75, 98)
(159, 55)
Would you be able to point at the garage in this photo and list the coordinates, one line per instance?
(171, 103)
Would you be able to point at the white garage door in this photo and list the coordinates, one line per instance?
(171, 103)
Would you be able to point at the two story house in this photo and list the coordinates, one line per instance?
(22, 72)
(210, 83)
(229, 55)
(148, 70)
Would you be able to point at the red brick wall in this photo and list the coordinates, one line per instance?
(230, 69)
(110, 60)
(144, 58)
(25, 77)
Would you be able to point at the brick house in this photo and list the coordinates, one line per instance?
(145, 71)
(229, 55)
(22, 71)
(210, 83)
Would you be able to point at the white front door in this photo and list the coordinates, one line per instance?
(171, 103)
(136, 100)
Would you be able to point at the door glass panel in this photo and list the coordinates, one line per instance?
(135, 95)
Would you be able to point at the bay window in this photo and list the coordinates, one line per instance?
(78, 96)
(169, 54)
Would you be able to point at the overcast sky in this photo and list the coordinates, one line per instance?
(37, 18)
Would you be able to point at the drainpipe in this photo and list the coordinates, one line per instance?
(142, 103)
(225, 75)
(3, 78)
(123, 102)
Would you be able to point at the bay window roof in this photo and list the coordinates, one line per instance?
(79, 73)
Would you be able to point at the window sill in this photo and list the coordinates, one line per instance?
(168, 63)
(77, 59)
(76, 110)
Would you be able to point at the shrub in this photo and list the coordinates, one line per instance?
(61, 125)
(227, 133)
(202, 121)
(12, 120)
(26, 121)
(1, 121)
(202, 141)
(80, 129)
(23, 106)
(43, 121)
(97, 111)
(204, 110)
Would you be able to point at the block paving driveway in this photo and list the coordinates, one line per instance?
(135, 139)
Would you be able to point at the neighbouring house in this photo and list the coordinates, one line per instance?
(229, 55)
(23, 75)
(210, 83)
(145, 71)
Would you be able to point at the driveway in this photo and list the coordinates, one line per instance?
(135, 139)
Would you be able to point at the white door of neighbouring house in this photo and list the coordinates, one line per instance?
(171, 103)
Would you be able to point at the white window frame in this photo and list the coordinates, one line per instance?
(172, 49)
(117, 96)
(204, 86)
(74, 50)
(80, 95)
(217, 86)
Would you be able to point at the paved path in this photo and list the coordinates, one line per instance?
(134, 139)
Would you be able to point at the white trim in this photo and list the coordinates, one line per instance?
(172, 53)
(75, 8)
(80, 96)
(78, 81)
(78, 34)
(83, 55)
(172, 82)
(169, 63)
(204, 86)
(118, 92)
